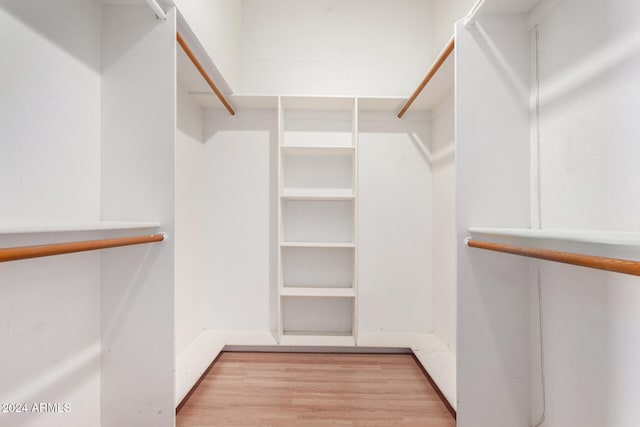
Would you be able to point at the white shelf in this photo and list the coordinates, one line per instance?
(317, 245)
(621, 238)
(387, 104)
(291, 291)
(438, 89)
(318, 103)
(318, 194)
(187, 75)
(61, 227)
(321, 339)
(315, 150)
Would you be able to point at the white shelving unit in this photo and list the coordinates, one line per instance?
(317, 221)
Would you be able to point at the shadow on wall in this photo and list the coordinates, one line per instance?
(47, 354)
(59, 22)
(491, 46)
(415, 126)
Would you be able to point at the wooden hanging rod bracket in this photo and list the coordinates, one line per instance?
(601, 263)
(204, 74)
(26, 252)
(442, 57)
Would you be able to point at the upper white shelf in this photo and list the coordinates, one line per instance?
(317, 194)
(317, 292)
(621, 238)
(438, 88)
(25, 228)
(436, 91)
(302, 150)
(381, 104)
(318, 103)
(188, 77)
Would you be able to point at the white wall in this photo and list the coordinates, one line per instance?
(190, 195)
(240, 214)
(50, 171)
(590, 80)
(50, 78)
(48, 354)
(358, 47)
(395, 213)
(218, 26)
(444, 222)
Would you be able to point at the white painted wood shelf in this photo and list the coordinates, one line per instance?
(65, 227)
(603, 237)
(293, 291)
(317, 194)
(317, 150)
(439, 87)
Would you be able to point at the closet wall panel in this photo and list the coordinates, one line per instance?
(589, 60)
(492, 188)
(443, 171)
(50, 111)
(50, 171)
(395, 214)
(240, 211)
(48, 355)
(190, 221)
(138, 160)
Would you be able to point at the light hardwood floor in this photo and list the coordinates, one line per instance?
(294, 389)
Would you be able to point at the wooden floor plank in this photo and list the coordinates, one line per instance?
(300, 389)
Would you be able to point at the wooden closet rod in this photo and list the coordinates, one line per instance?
(25, 252)
(204, 74)
(601, 263)
(432, 72)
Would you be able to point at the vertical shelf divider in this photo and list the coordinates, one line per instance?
(354, 184)
(280, 224)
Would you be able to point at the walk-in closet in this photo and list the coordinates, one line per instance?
(452, 180)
